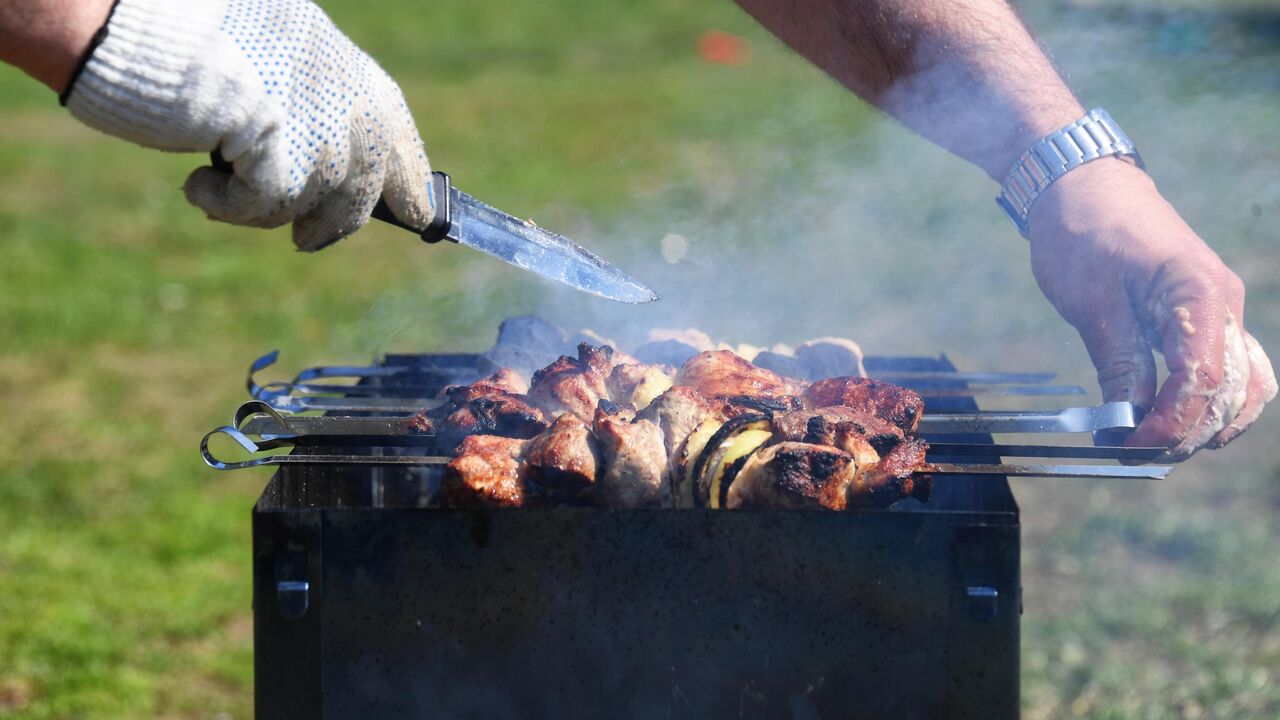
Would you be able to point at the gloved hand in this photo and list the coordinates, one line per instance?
(315, 129)
(1120, 265)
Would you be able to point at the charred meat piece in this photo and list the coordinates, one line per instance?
(898, 405)
(637, 383)
(824, 425)
(721, 373)
(485, 473)
(794, 475)
(492, 406)
(563, 460)
(635, 461)
(898, 475)
(503, 380)
(575, 385)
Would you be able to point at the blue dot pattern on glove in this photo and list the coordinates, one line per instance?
(318, 74)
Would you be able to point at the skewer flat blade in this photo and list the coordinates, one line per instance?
(1124, 472)
(1108, 416)
(1079, 452)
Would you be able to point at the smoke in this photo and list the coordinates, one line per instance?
(885, 238)
(844, 226)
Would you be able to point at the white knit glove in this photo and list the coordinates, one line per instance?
(315, 129)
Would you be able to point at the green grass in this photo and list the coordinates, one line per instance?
(126, 321)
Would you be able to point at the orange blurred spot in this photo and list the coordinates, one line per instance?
(724, 48)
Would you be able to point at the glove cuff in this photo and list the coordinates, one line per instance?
(138, 66)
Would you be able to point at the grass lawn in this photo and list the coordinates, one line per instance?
(127, 320)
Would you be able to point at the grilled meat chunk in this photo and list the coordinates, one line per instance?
(893, 478)
(563, 460)
(637, 383)
(485, 473)
(898, 405)
(635, 462)
(678, 411)
(576, 385)
(826, 425)
(494, 405)
(720, 373)
(794, 475)
(502, 380)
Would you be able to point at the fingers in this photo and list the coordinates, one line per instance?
(407, 188)
(257, 193)
(346, 208)
(1120, 353)
(1260, 391)
(1204, 391)
(342, 212)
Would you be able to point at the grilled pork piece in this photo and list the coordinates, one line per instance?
(576, 385)
(563, 460)
(637, 383)
(898, 405)
(485, 473)
(494, 405)
(720, 373)
(678, 411)
(794, 475)
(893, 478)
(635, 462)
(824, 426)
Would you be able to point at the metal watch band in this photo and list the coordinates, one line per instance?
(1090, 138)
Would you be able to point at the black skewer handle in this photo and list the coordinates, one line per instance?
(441, 197)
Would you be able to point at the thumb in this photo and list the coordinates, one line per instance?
(1119, 350)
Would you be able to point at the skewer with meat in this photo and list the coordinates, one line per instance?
(485, 473)
(564, 460)
(495, 405)
(577, 385)
(898, 405)
(721, 373)
(794, 475)
(726, 434)
(635, 461)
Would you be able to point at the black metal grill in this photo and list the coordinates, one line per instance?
(367, 604)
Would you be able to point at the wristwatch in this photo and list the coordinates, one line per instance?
(1090, 138)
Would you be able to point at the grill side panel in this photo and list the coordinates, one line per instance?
(590, 613)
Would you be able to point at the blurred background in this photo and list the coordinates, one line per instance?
(765, 204)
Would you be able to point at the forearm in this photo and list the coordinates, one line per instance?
(46, 38)
(965, 74)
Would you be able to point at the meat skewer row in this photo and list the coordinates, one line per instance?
(728, 434)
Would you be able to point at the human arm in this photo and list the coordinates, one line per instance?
(316, 132)
(1108, 251)
(47, 38)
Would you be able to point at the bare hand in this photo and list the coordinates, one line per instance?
(1121, 266)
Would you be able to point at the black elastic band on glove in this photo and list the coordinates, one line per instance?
(94, 42)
